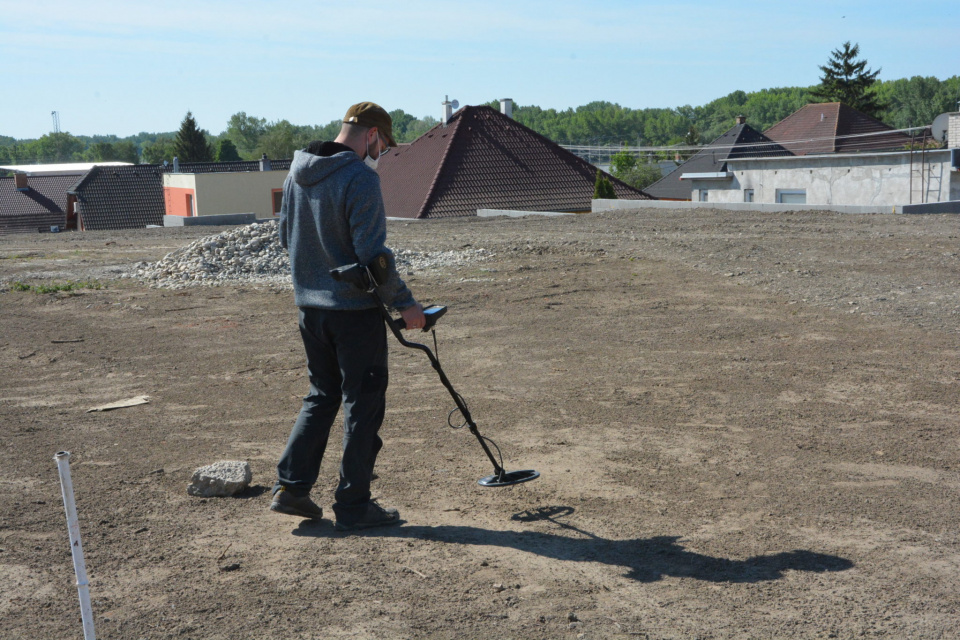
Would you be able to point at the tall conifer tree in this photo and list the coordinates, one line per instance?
(191, 144)
(846, 79)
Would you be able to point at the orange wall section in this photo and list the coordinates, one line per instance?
(176, 199)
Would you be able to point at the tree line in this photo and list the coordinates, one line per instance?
(245, 138)
(904, 103)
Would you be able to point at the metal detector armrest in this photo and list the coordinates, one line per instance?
(355, 274)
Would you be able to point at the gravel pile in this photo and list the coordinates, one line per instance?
(252, 254)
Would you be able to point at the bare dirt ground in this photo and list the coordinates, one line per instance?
(748, 426)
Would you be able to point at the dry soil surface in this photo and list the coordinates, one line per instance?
(747, 426)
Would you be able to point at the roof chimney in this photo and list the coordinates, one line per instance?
(264, 163)
(20, 182)
(506, 107)
(741, 119)
(176, 164)
(447, 110)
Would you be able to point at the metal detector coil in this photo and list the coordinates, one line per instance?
(368, 278)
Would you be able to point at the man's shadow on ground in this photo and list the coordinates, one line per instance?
(648, 559)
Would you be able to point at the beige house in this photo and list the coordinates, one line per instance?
(212, 194)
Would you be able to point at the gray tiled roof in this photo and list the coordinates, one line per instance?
(41, 206)
(121, 197)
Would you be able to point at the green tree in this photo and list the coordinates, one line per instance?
(227, 151)
(126, 151)
(99, 152)
(848, 80)
(55, 147)
(191, 143)
(916, 101)
(245, 132)
(622, 162)
(159, 150)
(280, 140)
(602, 189)
(626, 167)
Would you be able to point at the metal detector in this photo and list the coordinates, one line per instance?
(368, 278)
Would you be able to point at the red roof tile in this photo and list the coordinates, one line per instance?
(484, 160)
(833, 127)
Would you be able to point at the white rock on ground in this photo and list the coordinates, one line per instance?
(220, 479)
(252, 254)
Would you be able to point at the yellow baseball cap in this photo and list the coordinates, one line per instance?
(370, 114)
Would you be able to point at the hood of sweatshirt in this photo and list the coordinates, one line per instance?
(308, 169)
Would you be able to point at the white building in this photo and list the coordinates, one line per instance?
(885, 179)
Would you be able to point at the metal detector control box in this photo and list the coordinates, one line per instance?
(432, 313)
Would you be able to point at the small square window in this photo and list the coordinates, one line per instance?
(792, 196)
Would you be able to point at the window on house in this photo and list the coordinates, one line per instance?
(704, 195)
(748, 195)
(792, 196)
(277, 201)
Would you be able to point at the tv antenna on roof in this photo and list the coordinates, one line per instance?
(56, 121)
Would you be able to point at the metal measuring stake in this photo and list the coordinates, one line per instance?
(76, 548)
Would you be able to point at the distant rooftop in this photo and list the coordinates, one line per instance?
(483, 159)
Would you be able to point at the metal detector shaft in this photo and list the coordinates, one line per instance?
(443, 378)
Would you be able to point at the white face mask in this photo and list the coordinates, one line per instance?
(369, 160)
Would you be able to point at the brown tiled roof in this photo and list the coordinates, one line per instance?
(484, 160)
(833, 127)
(742, 141)
(128, 197)
(41, 206)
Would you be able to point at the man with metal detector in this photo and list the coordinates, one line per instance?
(332, 214)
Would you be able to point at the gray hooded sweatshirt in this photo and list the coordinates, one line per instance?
(332, 215)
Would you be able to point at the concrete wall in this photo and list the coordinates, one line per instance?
(877, 180)
(599, 206)
(513, 213)
(246, 192)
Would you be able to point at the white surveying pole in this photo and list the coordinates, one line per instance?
(76, 548)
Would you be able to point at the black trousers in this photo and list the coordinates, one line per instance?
(347, 364)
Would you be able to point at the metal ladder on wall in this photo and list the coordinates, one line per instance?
(926, 179)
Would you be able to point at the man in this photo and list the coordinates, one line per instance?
(332, 215)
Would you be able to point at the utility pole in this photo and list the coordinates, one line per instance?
(56, 121)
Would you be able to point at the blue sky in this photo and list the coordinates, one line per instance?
(130, 66)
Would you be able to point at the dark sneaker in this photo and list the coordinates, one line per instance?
(303, 506)
(375, 516)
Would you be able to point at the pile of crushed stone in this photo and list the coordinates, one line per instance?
(252, 254)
